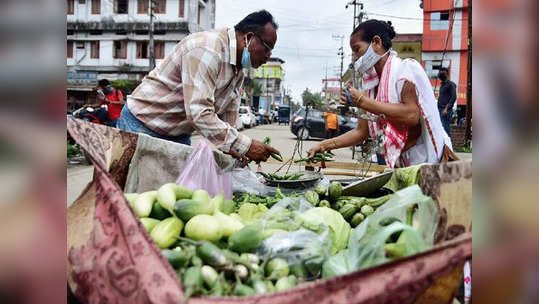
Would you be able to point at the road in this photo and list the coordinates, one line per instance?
(78, 176)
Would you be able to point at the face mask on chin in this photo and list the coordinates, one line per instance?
(246, 56)
(368, 60)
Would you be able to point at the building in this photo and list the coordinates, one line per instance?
(445, 37)
(331, 89)
(110, 38)
(408, 46)
(269, 76)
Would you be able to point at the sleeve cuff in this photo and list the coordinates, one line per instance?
(242, 144)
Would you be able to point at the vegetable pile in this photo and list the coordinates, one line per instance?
(256, 244)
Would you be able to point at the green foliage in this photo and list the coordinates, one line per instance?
(467, 149)
(72, 150)
(257, 88)
(311, 98)
(126, 85)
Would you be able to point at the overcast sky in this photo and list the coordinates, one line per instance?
(306, 27)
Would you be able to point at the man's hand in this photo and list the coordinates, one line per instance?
(243, 160)
(445, 112)
(260, 152)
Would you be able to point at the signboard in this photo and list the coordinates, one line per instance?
(82, 78)
(262, 103)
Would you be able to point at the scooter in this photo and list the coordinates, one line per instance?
(98, 115)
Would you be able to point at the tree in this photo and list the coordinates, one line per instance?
(311, 98)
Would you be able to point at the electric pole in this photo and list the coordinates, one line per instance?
(468, 132)
(151, 47)
(341, 54)
(358, 18)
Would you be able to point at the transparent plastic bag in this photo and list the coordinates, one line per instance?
(366, 246)
(304, 250)
(202, 172)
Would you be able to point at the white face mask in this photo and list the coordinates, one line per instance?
(368, 60)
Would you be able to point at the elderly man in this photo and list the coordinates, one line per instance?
(196, 87)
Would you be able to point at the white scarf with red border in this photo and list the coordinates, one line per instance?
(429, 146)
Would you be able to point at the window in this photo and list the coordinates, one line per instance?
(120, 6)
(142, 32)
(142, 49)
(69, 49)
(94, 49)
(439, 21)
(142, 7)
(96, 32)
(120, 49)
(160, 7)
(182, 8)
(96, 7)
(81, 45)
(159, 49)
(70, 7)
(70, 32)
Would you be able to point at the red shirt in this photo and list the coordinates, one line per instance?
(115, 110)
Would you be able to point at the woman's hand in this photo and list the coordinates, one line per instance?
(355, 97)
(318, 148)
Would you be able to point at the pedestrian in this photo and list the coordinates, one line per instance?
(111, 97)
(447, 98)
(332, 124)
(196, 88)
(408, 130)
(261, 113)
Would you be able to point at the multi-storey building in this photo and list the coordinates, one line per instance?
(445, 37)
(110, 38)
(269, 77)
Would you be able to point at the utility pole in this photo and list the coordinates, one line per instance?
(468, 132)
(341, 54)
(358, 18)
(326, 84)
(151, 47)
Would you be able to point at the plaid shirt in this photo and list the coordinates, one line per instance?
(196, 87)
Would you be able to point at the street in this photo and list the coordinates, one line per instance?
(282, 139)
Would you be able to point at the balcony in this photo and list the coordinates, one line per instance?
(127, 26)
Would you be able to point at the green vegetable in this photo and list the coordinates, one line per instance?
(182, 192)
(276, 156)
(334, 191)
(285, 283)
(149, 223)
(277, 268)
(176, 257)
(211, 254)
(357, 219)
(217, 202)
(158, 212)
(201, 196)
(203, 227)
(243, 290)
(166, 195)
(278, 194)
(209, 275)
(377, 202)
(260, 286)
(131, 197)
(249, 257)
(321, 190)
(250, 212)
(269, 285)
(324, 203)
(271, 231)
(367, 210)
(192, 282)
(246, 240)
(185, 209)
(347, 211)
(388, 221)
(299, 271)
(166, 232)
(312, 197)
(339, 229)
(228, 207)
(267, 141)
(143, 204)
(229, 225)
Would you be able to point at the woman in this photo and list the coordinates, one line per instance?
(408, 130)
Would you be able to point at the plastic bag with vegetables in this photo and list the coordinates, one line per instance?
(403, 226)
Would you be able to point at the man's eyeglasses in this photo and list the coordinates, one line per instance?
(267, 48)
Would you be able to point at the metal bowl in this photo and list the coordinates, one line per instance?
(308, 179)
